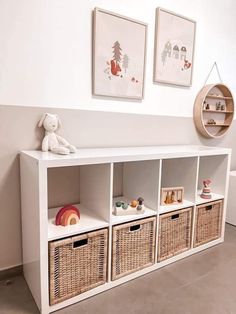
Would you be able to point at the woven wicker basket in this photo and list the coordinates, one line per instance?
(133, 246)
(174, 233)
(208, 222)
(77, 264)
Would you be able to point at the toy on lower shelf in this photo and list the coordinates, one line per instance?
(211, 121)
(206, 191)
(135, 207)
(67, 215)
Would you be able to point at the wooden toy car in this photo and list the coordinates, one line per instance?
(211, 121)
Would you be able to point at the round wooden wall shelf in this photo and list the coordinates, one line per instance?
(213, 110)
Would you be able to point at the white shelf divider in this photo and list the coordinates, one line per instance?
(89, 220)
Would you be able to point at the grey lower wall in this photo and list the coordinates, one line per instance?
(19, 131)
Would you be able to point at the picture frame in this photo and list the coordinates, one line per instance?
(174, 48)
(172, 196)
(119, 55)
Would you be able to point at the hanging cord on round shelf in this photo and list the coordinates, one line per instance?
(217, 70)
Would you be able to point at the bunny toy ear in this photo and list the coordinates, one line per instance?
(59, 121)
(41, 120)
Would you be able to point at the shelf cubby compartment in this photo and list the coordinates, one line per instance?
(86, 186)
(215, 169)
(179, 172)
(136, 179)
(206, 110)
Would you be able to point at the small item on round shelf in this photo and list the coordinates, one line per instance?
(222, 108)
(134, 203)
(218, 105)
(211, 121)
(206, 106)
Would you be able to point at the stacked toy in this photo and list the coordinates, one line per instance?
(206, 191)
(68, 215)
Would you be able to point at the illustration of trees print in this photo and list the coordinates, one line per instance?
(125, 63)
(118, 66)
(117, 52)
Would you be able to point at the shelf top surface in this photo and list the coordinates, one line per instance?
(127, 218)
(120, 154)
(90, 220)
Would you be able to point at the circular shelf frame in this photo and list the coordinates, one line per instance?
(211, 94)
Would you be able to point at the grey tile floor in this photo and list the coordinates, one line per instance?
(204, 283)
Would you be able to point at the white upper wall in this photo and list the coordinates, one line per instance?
(45, 53)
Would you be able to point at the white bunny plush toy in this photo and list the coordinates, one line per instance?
(52, 141)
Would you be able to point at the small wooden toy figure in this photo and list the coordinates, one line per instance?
(206, 191)
(206, 105)
(134, 203)
(168, 198)
(125, 206)
(140, 203)
(222, 108)
(119, 204)
(211, 121)
(218, 105)
(172, 197)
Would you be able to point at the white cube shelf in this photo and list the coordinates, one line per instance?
(87, 184)
(95, 179)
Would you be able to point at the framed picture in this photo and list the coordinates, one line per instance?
(174, 48)
(172, 196)
(119, 50)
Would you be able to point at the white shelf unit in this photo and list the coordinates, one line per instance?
(95, 179)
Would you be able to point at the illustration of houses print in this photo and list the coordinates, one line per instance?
(178, 53)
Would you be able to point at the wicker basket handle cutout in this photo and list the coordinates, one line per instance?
(209, 207)
(134, 228)
(176, 216)
(80, 243)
